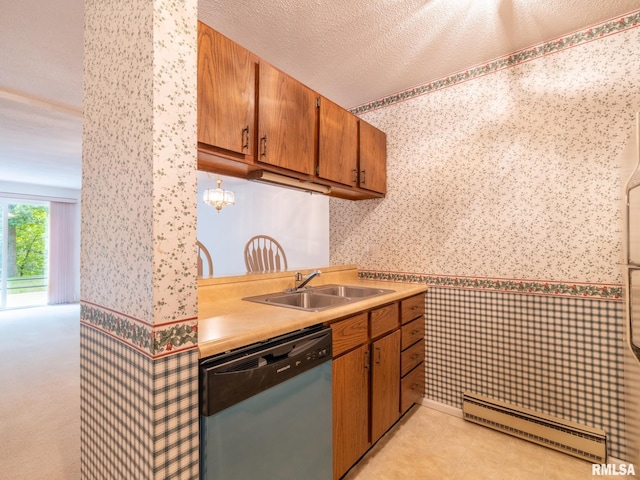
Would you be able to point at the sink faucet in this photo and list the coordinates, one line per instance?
(300, 283)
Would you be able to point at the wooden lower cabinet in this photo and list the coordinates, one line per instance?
(412, 344)
(350, 409)
(412, 332)
(411, 357)
(385, 384)
(412, 387)
(376, 377)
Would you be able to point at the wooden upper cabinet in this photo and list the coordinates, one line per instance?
(226, 93)
(286, 121)
(373, 158)
(337, 144)
(253, 116)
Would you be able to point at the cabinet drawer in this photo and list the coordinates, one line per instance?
(384, 320)
(411, 332)
(412, 308)
(411, 357)
(412, 387)
(349, 333)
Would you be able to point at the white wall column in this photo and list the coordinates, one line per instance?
(139, 405)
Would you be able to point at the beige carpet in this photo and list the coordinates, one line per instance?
(40, 393)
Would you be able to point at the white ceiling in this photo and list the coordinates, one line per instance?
(351, 52)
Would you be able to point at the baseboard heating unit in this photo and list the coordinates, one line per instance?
(569, 437)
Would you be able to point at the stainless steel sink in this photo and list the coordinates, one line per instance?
(306, 300)
(322, 297)
(349, 291)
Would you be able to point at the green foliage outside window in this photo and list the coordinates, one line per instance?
(27, 240)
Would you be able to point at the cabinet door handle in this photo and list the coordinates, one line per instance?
(355, 175)
(414, 386)
(414, 356)
(364, 177)
(264, 146)
(379, 352)
(366, 359)
(245, 137)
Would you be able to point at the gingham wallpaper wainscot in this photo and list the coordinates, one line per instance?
(139, 414)
(556, 355)
(552, 347)
(134, 374)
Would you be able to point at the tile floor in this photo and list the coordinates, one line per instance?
(427, 444)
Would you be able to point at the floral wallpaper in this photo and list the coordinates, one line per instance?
(511, 170)
(598, 31)
(117, 164)
(139, 161)
(174, 160)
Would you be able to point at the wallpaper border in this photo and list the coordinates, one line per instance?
(583, 290)
(610, 27)
(155, 341)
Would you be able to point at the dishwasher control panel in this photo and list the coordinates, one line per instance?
(319, 353)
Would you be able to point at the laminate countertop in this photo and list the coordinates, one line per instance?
(225, 321)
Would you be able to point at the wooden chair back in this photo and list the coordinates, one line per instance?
(264, 254)
(203, 256)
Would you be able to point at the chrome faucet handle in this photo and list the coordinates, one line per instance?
(300, 282)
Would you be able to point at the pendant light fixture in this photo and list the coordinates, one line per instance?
(217, 197)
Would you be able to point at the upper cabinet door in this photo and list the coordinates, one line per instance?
(373, 158)
(338, 144)
(226, 93)
(286, 121)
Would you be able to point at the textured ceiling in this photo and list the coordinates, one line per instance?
(358, 51)
(352, 52)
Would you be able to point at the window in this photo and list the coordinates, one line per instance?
(24, 261)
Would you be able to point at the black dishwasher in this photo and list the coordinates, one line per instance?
(266, 410)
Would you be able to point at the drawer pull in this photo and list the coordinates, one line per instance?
(414, 386)
(413, 332)
(414, 356)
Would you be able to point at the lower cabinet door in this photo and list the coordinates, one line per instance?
(350, 409)
(385, 384)
(412, 387)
